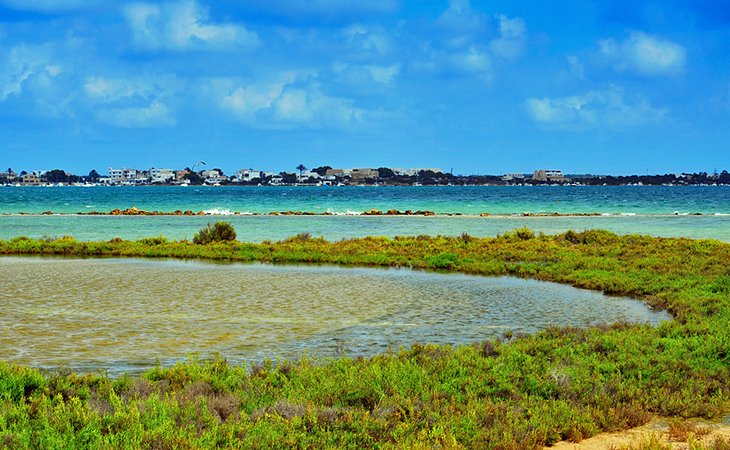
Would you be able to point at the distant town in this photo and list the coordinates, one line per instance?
(199, 174)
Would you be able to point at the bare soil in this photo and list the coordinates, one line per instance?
(659, 429)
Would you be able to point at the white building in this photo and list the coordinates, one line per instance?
(214, 176)
(161, 175)
(513, 177)
(306, 174)
(123, 175)
(247, 175)
(415, 171)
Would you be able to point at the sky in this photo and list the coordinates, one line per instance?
(603, 87)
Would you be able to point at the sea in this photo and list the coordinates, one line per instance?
(668, 211)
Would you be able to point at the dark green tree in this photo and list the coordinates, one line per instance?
(322, 170)
(301, 168)
(56, 176)
(384, 172)
(193, 178)
(288, 178)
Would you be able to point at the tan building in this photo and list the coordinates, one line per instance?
(364, 174)
(548, 175)
(335, 173)
(30, 180)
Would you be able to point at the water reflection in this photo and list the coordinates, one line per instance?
(123, 314)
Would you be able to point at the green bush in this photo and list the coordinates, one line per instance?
(219, 231)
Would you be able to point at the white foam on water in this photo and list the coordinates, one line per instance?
(218, 212)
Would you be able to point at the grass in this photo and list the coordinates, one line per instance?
(518, 392)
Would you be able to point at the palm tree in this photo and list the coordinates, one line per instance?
(301, 168)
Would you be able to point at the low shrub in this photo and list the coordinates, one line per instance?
(218, 232)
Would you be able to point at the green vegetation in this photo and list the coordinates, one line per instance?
(518, 392)
(218, 232)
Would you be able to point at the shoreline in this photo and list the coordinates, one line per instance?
(216, 212)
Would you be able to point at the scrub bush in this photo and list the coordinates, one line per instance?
(219, 231)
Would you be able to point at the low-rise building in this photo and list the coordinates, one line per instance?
(513, 177)
(338, 173)
(180, 175)
(161, 175)
(307, 174)
(415, 171)
(364, 174)
(123, 175)
(248, 175)
(548, 175)
(30, 179)
(214, 176)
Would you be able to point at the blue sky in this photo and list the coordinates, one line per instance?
(474, 86)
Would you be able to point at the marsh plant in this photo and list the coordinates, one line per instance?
(218, 232)
(518, 392)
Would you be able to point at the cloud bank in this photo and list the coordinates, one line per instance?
(608, 108)
(183, 26)
(643, 54)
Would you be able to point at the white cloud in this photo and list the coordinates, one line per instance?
(384, 74)
(467, 42)
(129, 103)
(292, 101)
(24, 66)
(183, 26)
(460, 16)
(246, 101)
(105, 90)
(473, 60)
(368, 40)
(643, 54)
(511, 41)
(595, 109)
(154, 115)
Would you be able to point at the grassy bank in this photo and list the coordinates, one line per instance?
(516, 392)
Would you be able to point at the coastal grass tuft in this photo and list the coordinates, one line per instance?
(518, 392)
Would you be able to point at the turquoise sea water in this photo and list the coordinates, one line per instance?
(655, 210)
(445, 199)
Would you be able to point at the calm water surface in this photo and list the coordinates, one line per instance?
(655, 210)
(123, 314)
(259, 228)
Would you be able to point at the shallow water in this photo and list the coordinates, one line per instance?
(259, 228)
(627, 210)
(123, 314)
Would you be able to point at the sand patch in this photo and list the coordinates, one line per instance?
(659, 433)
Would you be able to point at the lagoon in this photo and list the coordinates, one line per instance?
(123, 315)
